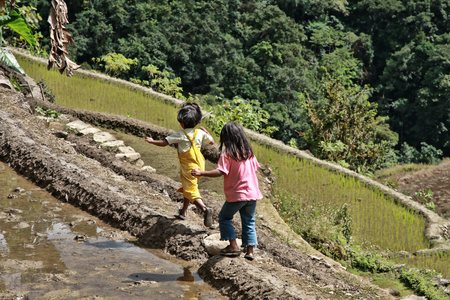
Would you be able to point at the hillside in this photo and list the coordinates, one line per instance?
(285, 268)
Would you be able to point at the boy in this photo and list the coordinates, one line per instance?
(189, 141)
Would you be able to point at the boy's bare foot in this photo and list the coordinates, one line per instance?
(208, 217)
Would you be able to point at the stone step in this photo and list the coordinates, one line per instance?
(107, 140)
(78, 125)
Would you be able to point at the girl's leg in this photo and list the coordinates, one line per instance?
(249, 238)
(227, 232)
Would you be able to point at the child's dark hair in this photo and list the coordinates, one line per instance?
(236, 143)
(190, 114)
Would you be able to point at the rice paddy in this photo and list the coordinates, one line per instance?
(97, 95)
(377, 219)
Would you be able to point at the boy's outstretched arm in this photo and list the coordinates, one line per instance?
(160, 143)
(204, 129)
(212, 173)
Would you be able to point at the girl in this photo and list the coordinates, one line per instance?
(238, 166)
(189, 141)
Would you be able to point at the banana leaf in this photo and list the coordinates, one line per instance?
(19, 25)
(7, 58)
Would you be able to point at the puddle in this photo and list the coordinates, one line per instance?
(52, 250)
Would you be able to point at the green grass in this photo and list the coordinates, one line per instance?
(101, 96)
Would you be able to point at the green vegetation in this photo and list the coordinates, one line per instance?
(47, 112)
(97, 95)
(376, 218)
(114, 63)
(274, 50)
(247, 113)
(19, 21)
(355, 214)
(344, 125)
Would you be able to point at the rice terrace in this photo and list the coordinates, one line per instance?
(382, 218)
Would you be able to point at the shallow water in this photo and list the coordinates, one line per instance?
(52, 250)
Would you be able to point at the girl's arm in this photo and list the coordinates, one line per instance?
(212, 173)
(204, 129)
(160, 143)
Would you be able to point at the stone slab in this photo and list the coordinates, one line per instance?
(139, 163)
(112, 144)
(103, 137)
(149, 169)
(78, 125)
(91, 130)
(128, 156)
(126, 150)
(213, 244)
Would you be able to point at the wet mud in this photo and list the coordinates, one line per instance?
(52, 250)
(77, 172)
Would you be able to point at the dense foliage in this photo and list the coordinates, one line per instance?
(272, 51)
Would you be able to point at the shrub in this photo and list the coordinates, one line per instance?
(247, 113)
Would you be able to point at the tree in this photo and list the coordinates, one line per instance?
(344, 125)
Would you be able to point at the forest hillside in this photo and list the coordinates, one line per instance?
(387, 60)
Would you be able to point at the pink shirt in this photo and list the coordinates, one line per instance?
(240, 181)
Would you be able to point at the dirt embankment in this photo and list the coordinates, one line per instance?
(76, 171)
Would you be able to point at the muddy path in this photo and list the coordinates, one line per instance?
(52, 250)
(76, 171)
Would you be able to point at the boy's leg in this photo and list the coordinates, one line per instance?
(183, 211)
(207, 212)
(249, 239)
(199, 203)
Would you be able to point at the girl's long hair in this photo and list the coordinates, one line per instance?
(235, 141)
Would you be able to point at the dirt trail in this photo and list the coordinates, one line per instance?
(74, 170)
(436, 179)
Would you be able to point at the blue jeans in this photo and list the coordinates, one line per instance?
(247, 211)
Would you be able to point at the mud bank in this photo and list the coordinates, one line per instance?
(144, 205)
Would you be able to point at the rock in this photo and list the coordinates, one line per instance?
(149, 169)
(402, 254)
(113, 144)
(213, 244)
(56, 125)
(22, 225)
(128, 156)
(78, 125)
(13, 211)
(4, 82)
(91, 130)
(80, 238)
(19, 190)
(103, 137)
(139, 163)
(126, 150)
(393, 292)
(413, 297)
